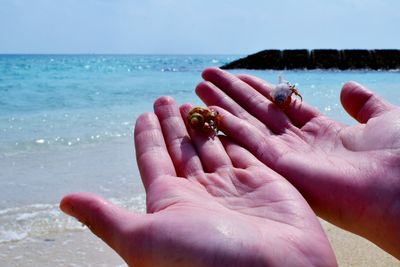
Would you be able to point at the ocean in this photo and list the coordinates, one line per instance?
(66, 125)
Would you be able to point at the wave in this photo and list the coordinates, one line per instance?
(40, 220)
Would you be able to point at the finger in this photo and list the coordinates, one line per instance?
(240, 157)
(249, 99)
(298, 113)
(361, 103)
(212, 153)
(213, 96)
(184, 155)
(103, 218)
(266, 149)
(152, 156)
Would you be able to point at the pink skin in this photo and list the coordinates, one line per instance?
(350, 175)
(209, 203)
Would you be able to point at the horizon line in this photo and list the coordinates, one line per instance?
(175, 54)
(120, 54)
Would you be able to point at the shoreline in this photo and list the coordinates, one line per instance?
(80, 247)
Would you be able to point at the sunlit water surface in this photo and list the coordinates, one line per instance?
(66, 125)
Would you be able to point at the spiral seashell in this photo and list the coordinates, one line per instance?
(282, 93)
(280, 99)
(196, 119)
(204, 120)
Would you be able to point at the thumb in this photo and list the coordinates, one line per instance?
(361, 103)
(103, 218)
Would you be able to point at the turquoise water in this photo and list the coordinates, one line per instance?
(66, 125)
(69, 100)
(64, 100)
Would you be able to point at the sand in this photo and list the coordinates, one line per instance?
(78, 248)
(352, 250)
(82, 248)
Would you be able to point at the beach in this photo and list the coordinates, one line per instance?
(62, 250)
(66, 125)
(353, 250)
(44, 236)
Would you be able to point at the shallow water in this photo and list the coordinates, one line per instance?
(66, 125)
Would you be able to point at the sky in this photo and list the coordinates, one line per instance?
(195, 26)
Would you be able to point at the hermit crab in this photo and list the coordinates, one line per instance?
(204, 120)
(282, 93)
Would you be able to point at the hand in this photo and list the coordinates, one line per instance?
(350, 175)
(209, 204)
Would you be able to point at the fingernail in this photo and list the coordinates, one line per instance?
(66, 207)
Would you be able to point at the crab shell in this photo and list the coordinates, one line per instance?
(282, 95)
(196, 120)
(204, 119)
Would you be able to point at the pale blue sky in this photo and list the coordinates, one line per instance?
(195, 27)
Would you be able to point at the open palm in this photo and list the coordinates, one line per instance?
(209, 203)
(349, 174)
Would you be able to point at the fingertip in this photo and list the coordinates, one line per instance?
(145, 116)
(207, 72)
(202, 87)
(87, 208)
(164, 100)
(352, 84)
(351, 89)
(144, 121)
(103, 218)
(359, 102)
(185, 108)
(71, 203)
(66, 205)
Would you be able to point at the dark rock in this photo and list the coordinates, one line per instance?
(324, 59)
(267, 59)
(319, 58)
(295, 59)
(355, 59)
(386, 59)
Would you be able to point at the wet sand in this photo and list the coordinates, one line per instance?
(82, 248)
